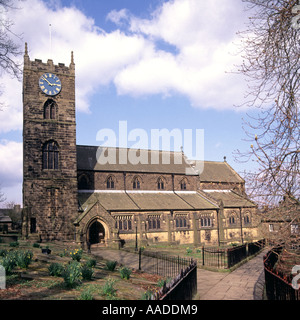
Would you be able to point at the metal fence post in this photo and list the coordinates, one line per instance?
(140, 258)
(228, 258)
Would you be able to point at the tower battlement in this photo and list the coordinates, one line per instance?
(38, 64)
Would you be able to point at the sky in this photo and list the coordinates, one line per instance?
(157, 64)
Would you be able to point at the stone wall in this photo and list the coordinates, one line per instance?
(148, 181)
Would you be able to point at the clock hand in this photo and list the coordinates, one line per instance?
(47, 81)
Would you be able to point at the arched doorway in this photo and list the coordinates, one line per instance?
(96, 232)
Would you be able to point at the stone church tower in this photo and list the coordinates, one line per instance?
(49, 150)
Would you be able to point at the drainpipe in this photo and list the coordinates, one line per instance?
(218, 226)
(241, 223)
(173, 187)
(124, 175)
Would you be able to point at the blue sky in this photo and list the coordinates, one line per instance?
(155, 64)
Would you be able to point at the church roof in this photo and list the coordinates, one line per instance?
(229, 198)
(123, 160)
(196, 200)
(214, 171)
(144, 200)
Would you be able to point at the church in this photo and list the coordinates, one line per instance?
(68, 195)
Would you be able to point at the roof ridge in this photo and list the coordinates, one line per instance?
(128, 148)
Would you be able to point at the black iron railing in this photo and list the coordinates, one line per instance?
(278, 285)
(162, 264)
(225, 258)
(182, 287)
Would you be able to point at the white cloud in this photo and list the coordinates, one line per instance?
(130, 57)
(99, 56)
(11, 163)
(11, 170)
(118, 17)
(203, 33)
(11, 114)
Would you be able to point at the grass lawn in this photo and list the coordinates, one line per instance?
(35, 282)
(213, 261)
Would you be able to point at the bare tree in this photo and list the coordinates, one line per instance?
(9, 49)
(271, 53)
(15, 213)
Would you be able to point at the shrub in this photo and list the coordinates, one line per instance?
(108, 288)
(86, 295)
(125, 273)
(87, 272)
(23, 258)
(3, 252)
(76, 254)
(36, 245)
(72, 274)
(147, 295)
(111, 265)
(161, 282)
(14, 244)
(9, 262)
(189, 250)
(56, 269)
(91, 263)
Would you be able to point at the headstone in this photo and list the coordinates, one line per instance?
(2, 278)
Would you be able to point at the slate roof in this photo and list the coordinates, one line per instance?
(196, 200)
(136, 201)
(177, 163)
(217, 172)
(159, 201)
(154, 161)
(230, 199)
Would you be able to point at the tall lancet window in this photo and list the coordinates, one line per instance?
(160, 184)
(50, 109)
(50, 155)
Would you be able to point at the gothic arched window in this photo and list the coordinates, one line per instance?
(183, 184)
(160, 184)
(246, 219)
(50, 155)
(136, 183)
(110, 183)
(50, 109)
(232, 220)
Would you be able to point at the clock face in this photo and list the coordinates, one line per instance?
(50, 84)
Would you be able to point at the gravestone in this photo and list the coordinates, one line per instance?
(2, 278)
